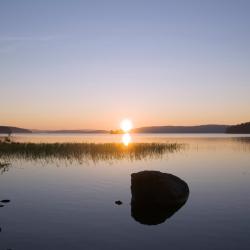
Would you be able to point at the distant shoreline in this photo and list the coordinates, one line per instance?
(243, 128)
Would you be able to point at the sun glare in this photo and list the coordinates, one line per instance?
(126, 125)
(126, 139)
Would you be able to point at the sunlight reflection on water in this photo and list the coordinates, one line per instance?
(126, 139)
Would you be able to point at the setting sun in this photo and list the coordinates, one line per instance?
(126, 125)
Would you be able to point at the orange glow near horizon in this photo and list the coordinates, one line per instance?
(112, 120)
(126, 125)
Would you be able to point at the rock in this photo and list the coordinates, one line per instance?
(5, 201)
(118, 202)
(1, 205)
(156, 196)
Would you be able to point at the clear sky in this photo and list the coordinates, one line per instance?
(89, 64)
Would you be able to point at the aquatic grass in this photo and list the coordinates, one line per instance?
(85, 151)
(4, 167)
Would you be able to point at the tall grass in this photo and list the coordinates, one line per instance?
(85, 151)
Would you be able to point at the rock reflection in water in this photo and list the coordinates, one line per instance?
(156, 196)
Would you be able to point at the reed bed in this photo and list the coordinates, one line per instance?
(85, 151)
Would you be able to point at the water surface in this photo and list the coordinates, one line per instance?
(65, 204)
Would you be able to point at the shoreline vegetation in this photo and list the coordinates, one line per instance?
(84, 151)
(208, 128)
(243, 128)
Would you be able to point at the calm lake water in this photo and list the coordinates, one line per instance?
(60, 204)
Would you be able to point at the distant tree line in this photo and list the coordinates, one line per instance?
(243, 128)
(118, 131)
(12, 130)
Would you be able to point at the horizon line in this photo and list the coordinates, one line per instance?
(99, 129)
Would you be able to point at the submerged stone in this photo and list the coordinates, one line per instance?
(5, 201)
(156, 196)
(118, 202)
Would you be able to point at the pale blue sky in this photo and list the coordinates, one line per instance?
(88, 64)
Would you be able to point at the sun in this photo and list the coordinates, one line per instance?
(126, 125)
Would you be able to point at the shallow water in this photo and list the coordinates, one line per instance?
(62, 204)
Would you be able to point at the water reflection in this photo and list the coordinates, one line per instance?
(4, 167)
(2, 204)
(126, 139)
(156, 196)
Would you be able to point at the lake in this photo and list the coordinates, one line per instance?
(70, 203)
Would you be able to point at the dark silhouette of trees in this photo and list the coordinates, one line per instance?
(243, 128)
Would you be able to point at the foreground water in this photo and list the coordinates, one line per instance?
(70, 204)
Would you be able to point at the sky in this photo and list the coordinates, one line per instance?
(89, 64)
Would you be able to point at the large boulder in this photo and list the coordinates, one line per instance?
(156, 196)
